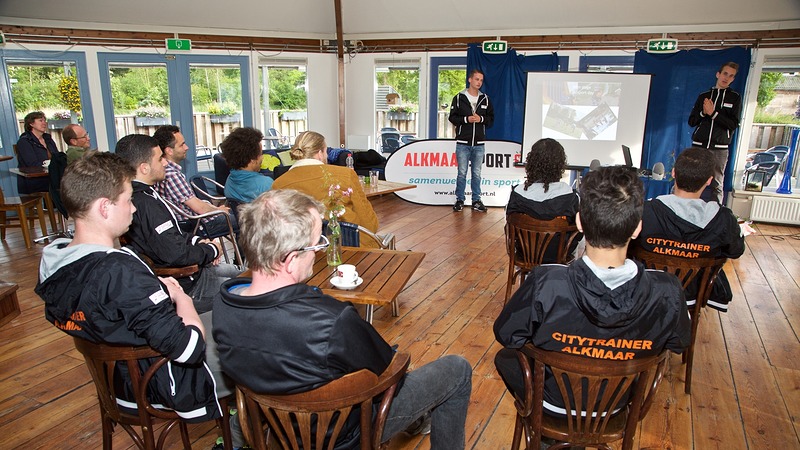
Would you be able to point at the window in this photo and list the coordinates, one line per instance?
(396, 100)
(283, 101)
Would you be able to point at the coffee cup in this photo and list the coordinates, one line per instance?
(347, 274)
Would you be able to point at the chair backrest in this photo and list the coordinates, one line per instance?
(606, 399)
(527, 238)
(385, 143)
(101, 360)
(769, 168)
(58, 164)
(699, 271)
(221, 169)
(350, 236)
(207, 189)
(779, 153)
(763, 157)
(316, 418)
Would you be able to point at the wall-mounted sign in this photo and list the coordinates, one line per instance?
(179, 45)
(432, 166)
(495, 46)
(662, 46)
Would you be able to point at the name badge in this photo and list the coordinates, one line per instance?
(727, 105)
(164, 227)
(158, 296)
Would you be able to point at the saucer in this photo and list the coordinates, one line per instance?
(336, 282)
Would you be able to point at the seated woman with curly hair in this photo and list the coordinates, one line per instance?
(544, 196)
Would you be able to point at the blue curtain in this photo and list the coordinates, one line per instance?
(504, 82)
(678, 79)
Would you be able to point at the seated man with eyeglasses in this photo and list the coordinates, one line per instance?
(277, 335)
(78, 141)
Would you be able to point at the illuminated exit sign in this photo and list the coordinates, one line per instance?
(662, 46)
(179, 45)
(495, 46)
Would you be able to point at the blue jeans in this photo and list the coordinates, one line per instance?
(466, 155)
(442, 387)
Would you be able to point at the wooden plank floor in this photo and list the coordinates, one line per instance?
(746, 392)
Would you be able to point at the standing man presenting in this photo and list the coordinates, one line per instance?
(715, 117)
(471, 112)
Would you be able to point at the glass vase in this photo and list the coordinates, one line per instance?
(334, 234)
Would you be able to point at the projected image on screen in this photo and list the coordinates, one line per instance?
(575, 110)
(591, 114)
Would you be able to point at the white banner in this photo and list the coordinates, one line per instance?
(432, 166)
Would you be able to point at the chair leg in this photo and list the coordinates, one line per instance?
(3, 222)
(224, 423)
(48, 203)
(690, 350)
(42, 223)
(23, 224)
(517, 433)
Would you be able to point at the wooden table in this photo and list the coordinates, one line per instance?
(385, 274)
(9, 305)
(5, 157)
(39, 172)
(385, 187)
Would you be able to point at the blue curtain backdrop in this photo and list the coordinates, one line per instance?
(678, 79)
(504, 82)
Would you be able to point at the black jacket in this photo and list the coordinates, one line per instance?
(716, 131)
(111, 296)
(295, 339)
(712, 231)
(155, 233)
(460, 110)
(568, 309)
(31, 153)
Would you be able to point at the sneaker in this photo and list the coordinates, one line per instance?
(420, 426)
(459, 205)
(478, 206)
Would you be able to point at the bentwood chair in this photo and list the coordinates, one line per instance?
(229, 234)
(696, 275)
(314, 419)
(101, 360)
(527, 241)
(606, 399)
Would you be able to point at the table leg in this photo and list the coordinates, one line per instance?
(48, 202)
(368, 313)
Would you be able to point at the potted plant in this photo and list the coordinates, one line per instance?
(402, 112)
(59, 119)
(151, 116)
(226, 112)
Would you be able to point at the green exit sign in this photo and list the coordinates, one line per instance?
(495, 46)
(179, 45)
(662, 46)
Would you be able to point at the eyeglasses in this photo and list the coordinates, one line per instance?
(321, 245)
(85, 136)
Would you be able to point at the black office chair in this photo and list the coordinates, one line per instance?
(780, 152)
(390, 141)
(759, 158)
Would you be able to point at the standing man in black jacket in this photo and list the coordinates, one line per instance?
(155, 232)
(471, 113)
(715, 117)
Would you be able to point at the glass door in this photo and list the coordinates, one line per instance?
(448, 77)
(206, 96)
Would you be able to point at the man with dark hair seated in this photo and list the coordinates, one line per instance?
(277, 335)
(175, 188)
(155, 232)
(682, 224)
(599, 302)
(242, 151)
